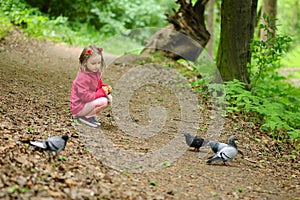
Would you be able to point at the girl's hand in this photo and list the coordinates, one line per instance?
(107, 89)
(109, 98)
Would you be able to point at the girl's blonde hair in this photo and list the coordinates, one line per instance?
(86, 53)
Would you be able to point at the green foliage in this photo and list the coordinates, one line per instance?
(109, 17)
(82, 22)
(118, 17)
(272, 99)
(288, 13)
(266, 54)
(276, 106)
(5, 25)
(33, 22)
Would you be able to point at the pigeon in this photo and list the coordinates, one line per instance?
(226, 154)
(54, 144)
(194, 141)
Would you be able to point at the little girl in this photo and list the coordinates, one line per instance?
(89, 96)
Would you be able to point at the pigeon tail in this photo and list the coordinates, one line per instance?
(239, 152)
(232, 142)
(213, 159)
(188, 138)
(38, 144)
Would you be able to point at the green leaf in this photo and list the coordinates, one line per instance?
(54, 165)
(160, 99)
(166, 164)
(153, 183)
(24, 190)
(13, 189)
(239, 190)
(63, 158)
(30, 128)
(212, 117)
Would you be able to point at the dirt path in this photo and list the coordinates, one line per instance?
(120, 160)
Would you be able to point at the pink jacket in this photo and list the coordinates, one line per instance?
(86, 87)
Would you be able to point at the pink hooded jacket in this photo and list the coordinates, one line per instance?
(86, 87)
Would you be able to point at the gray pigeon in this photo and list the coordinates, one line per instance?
(194, 141)
(54, 144)
(217, 146)
(226, 154)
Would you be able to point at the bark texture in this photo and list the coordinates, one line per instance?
(269, 7)
(210, 22)
(237, 29)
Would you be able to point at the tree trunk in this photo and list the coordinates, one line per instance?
(210, 23)
(237, 29)
(186, 37)
(269, 7)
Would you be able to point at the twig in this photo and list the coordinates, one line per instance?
(252, 161)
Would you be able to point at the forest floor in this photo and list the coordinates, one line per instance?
(137, 153)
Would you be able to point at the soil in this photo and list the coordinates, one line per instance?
(139, 151)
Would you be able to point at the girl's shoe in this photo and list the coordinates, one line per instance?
(88, 121)
(95, 121)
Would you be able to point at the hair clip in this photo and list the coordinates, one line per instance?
(100, 49)
(89, 52)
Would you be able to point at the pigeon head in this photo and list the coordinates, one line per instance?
(211, 143)
(206, 143)
(65, 137)
(214, 145)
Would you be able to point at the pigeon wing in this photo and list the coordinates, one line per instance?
(221, 145)
(227, 153)
(56, 144)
